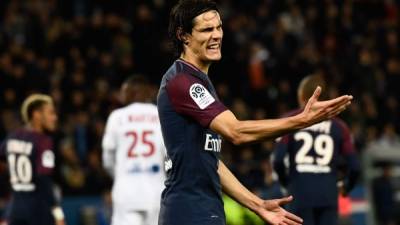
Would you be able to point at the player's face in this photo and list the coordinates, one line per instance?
(48, 117)
(206, 38)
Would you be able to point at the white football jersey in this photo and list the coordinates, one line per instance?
(133, 152)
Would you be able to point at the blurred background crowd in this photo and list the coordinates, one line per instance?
(79, 52)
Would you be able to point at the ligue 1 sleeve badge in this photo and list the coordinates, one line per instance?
(200, 95)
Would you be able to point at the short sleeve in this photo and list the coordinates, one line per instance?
(109, 141)
(281, 147)
(45, 156)
(280, 152)
(347, 143)
(189, 96)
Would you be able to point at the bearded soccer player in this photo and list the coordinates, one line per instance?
(133, 154)
(193, 120)
(30, 158)
(315, 154)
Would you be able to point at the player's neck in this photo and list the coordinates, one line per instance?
(34, 127)
(196, 62)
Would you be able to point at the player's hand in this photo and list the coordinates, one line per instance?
(58, 215)
(60, 222)
(342, 191)
(316, 111)
(272, 212)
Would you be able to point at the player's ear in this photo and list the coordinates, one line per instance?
(181, 35)
(185, 39)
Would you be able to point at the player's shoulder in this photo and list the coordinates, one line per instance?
(182, 72)
(16, 133)
(38, 139)
(152, 108)
(183, 81)
(284, 139)
(23, 133)
(340, 123)
(290, 113)
(115, 116)
(139, 107)
(41, 137)
(117, 112)
(187, 84)
(184, 85)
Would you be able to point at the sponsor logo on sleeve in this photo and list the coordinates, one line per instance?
(200, 95)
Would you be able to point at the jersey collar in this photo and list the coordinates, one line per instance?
(193, 70)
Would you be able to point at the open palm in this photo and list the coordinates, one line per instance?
(316, 111)
(274, 214)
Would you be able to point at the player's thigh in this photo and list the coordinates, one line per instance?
(306, 213)
(42, 218)
(35, 217)
(16, 215)
(327, 216)
(37, 220)
(127, 218)
(14, 221)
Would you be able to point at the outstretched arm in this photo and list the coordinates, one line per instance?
(269, 210)
(240, 132)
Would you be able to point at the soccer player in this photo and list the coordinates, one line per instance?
(193, 120)
(133, 153)
(314, 154)
(30, 158)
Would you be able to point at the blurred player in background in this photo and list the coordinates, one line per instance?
(133, 154)
(30, 158)
(193, 118)
(314, 155)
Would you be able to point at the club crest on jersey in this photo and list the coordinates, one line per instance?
(48, 159)
(200, 95)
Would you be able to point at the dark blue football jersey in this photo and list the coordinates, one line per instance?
(30, 159)
(187, 103)
(312, 155)
(29, 155)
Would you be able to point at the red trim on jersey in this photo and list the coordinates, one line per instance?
(347, 143)
(42, 144)
(178, 90)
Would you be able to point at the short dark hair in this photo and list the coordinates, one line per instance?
(137, 79)
(310, 83)
(181, 19)
(33, 103)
